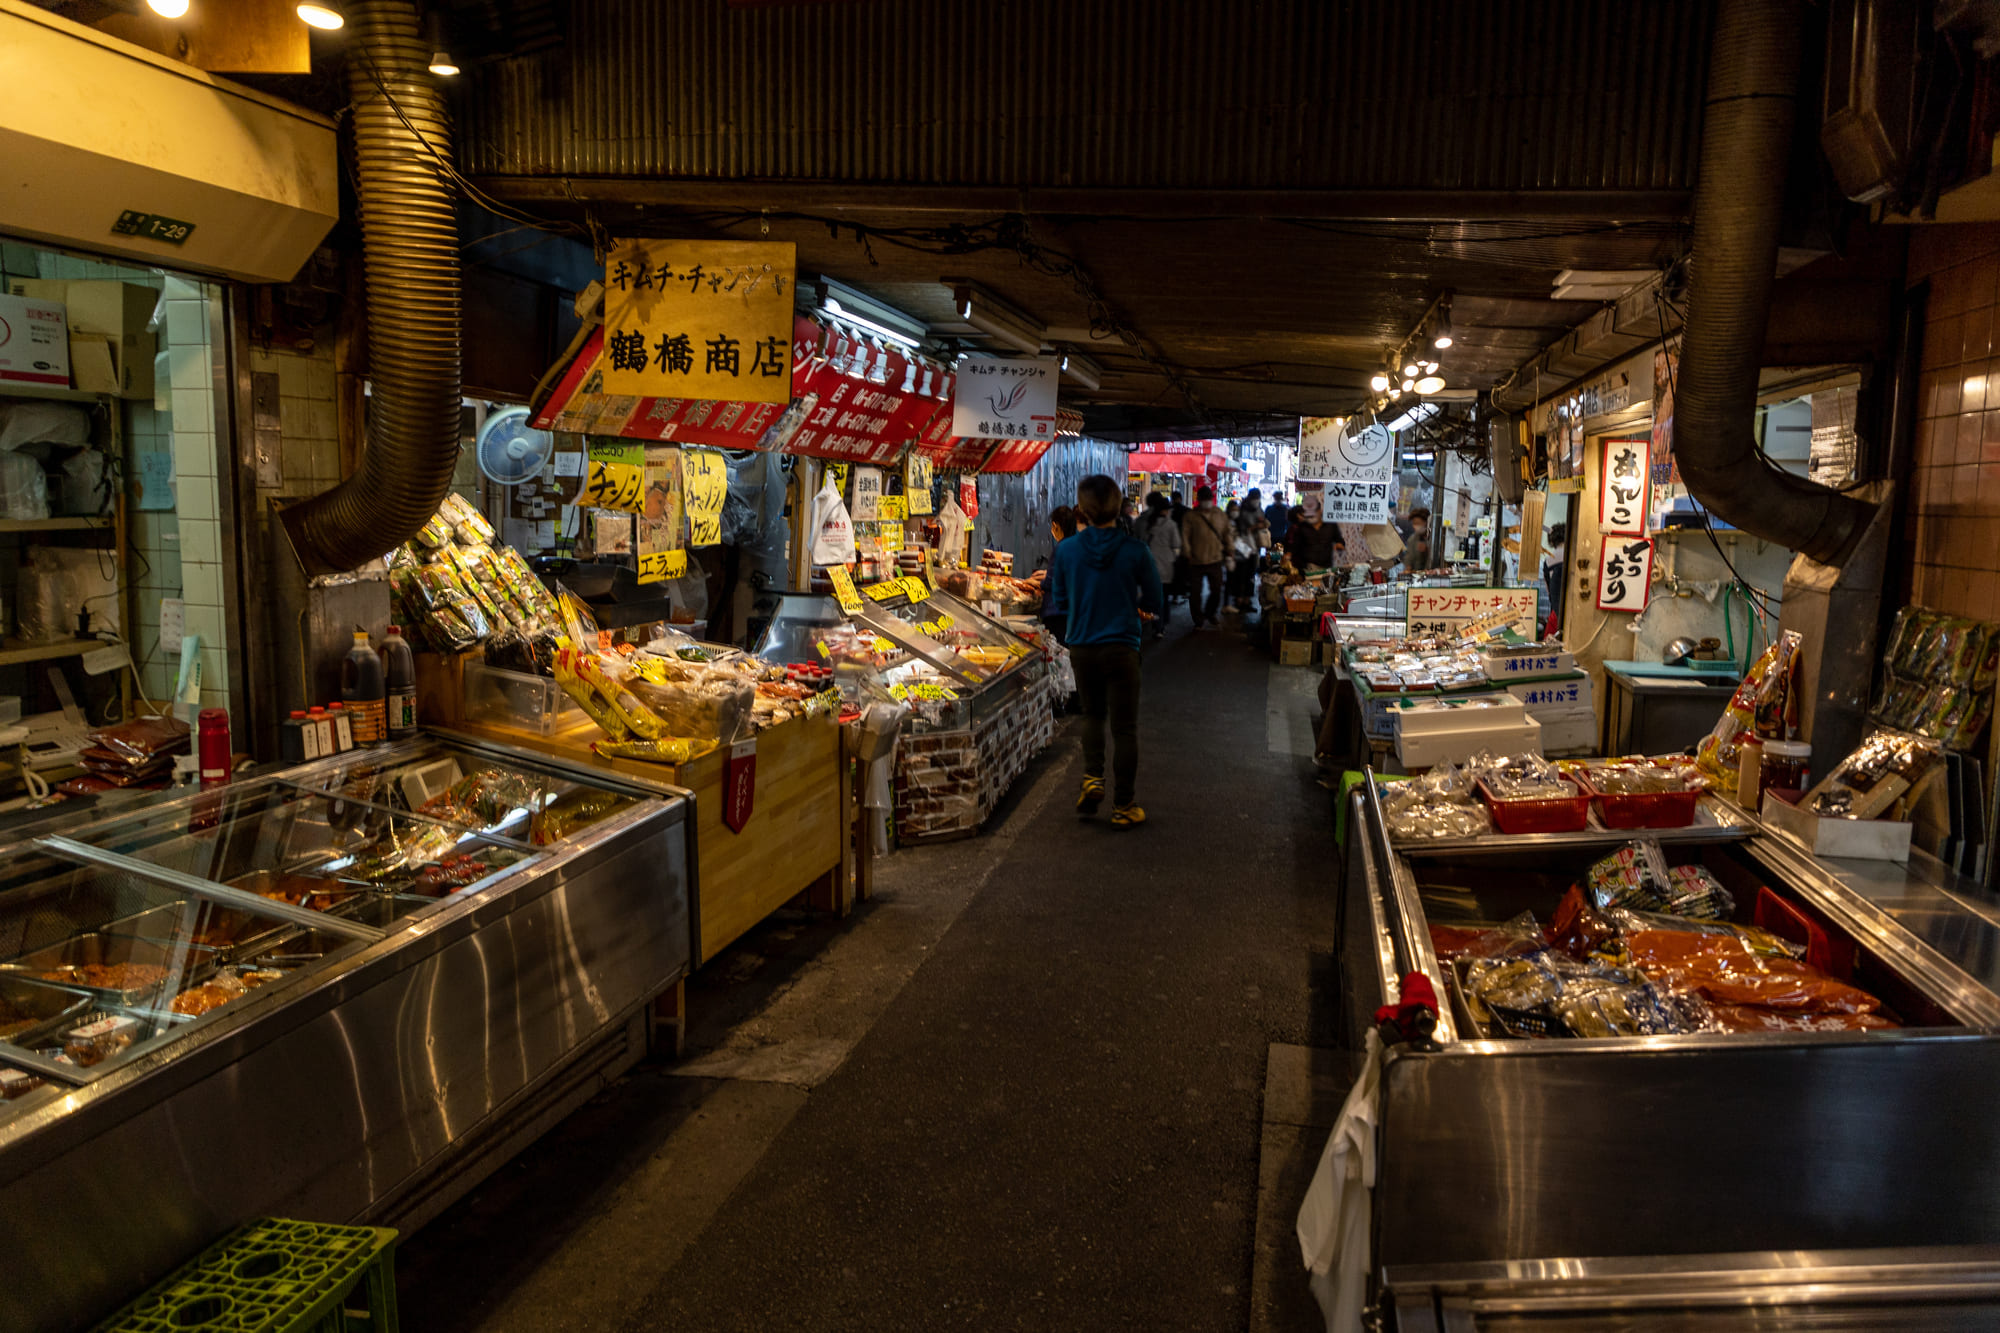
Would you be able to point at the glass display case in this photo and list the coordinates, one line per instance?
(338, 979)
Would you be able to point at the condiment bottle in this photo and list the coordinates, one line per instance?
(322, 727)
(298, 740)
(1786, 765)
(363, 690)
(212, 731)
(400, 668)
(343, 727)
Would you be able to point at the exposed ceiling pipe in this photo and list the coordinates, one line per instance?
(1746, 140)
(409, 232)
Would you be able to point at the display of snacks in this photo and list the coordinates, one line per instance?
(120, 977)
(1640, 795)
(1886, 767)
(1939, 677)
(1762, 706)
(1637, 876)
(101, 1039)
(220, 990)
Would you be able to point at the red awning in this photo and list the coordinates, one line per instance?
(1190, 464)
(1017, 455)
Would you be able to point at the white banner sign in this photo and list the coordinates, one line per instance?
(1361, 467)
(1441, 612)
(867, 506)
(1624, 574)
(1002, 398)
(1623, 484)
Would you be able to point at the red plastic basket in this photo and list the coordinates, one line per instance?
(1653, 809)
(1830, 953)
(1564, 814)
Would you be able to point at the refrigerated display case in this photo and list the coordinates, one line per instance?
(343, 991)
(1694, 1178)
(978, 693)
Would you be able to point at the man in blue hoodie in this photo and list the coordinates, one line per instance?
(1104, 580)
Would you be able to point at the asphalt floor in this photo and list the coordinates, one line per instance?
(1023, 1087)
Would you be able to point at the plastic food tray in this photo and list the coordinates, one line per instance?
(1566, 814)
(1654, 809)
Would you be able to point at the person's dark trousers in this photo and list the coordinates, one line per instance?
(1107, 680)
(1205, 592)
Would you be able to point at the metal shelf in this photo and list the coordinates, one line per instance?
(13, 652)
(79, 523)
(9, 389)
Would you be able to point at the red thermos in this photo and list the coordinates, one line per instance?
(212, 729)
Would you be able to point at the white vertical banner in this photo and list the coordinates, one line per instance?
(1623, 483)
(1624, 574)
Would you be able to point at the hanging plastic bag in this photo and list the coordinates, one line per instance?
(833, 530)
(24, 490)
(1333, 1225)
(952, 527)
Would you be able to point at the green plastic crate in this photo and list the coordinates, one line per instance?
(275, 1276)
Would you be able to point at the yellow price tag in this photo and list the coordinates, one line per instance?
(916, 589)
(882, 645)
(892, 507)
(844, 590)
(705, 478)
(885, 590)
(889, 535)
(837, 474)
(660, 565)
(614, 486)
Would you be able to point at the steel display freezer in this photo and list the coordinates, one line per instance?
(344, 991)
(1770, 1180)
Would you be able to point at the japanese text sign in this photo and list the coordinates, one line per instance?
(867, 507)
(1624, 574)
(1446, 611)
(892, 508)
(917, 483)
(655, 566)
(614, 477)
(844, 590)
(968, 496)
(1624, 482)
(706, 476)
(707, 320)
(1005, 398)
(1362, 465)
(660, 522)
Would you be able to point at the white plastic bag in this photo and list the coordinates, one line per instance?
(952, 526)
(24, 490)
(833, 531)
(42, 423)
(85, 488)
(1333, 1221)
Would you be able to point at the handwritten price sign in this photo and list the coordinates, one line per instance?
(613, 486)
(705, 476)
(657, 566)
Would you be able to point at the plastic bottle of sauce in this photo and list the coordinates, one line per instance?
(1786, 765)
(364, 690)
(343, 727)
(322, 729)
(400, 668)
(212, 729)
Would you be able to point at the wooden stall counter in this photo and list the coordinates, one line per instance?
(794, 842)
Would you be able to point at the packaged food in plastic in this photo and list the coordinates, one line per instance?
(1637, 876)
(1436, 819)
(1579, 929)
(574, 810)
(1625, 778)
(576, 687)
(485, 798)
(98, 1041)
(705, 706)
(661, 750)
(436, 532)
(1523, 777)
(1603, 1007)
(1763, 700)
(467, 524)
(1866, 783)
(1723, 968)
(608, 675)
(1748, 1018)
(1520, 935)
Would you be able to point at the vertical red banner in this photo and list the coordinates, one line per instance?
(739, 784)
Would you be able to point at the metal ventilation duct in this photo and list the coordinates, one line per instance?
(409, 235)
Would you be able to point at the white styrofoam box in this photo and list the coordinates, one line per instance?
(1567, 729)
(1864, 839)
(1457, 712)
(1544, 695)
(1424, 749)
(1522, 666)
(34, 342)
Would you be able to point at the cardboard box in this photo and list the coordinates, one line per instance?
(1295, 652)
(1865, 839)
(110, 348)
(34, 342)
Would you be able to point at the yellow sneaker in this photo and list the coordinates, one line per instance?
(1127, 816)
(1091, 797)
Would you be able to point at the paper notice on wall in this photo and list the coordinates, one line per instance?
(867, 495)
(706, 475)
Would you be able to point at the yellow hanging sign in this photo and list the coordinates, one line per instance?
(892, 508)
(705, 480)
(889, 536)
(699, 319)
(656, 566)
(917, 483)
(614, 486)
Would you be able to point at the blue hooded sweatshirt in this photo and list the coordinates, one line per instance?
(1101, 579)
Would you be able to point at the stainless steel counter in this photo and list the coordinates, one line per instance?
(376, 1084)
(1506, 1160)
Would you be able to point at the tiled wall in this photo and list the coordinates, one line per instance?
(1953, 504)
(177, 551)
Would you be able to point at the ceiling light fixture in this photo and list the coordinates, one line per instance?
(840, 301)
(1430, 384)
(168, 9)
(322, 14)
(1379, 381)
(1083, 370)
(995, 318)
(834, 308)
(1411, 369)
(1441, 334)
(442, 64)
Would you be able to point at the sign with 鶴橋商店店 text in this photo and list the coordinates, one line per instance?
(710, 320)
(1359, 468)
(1624, 573)
(1443, 612)
(1624, 480)
(1005, 398)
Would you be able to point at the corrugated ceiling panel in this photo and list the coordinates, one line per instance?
(1448, 94)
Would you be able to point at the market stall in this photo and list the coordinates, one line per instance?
(347, 990)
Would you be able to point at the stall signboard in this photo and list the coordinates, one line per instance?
(867, 495)
(892, 508)
(1624, 481)
(699, 319)
(706, 475)
(614, 477)
(660, 521)
(917, 476)
(1446, 612)
(1359, 468)
(1006, 398)
(1624, 574)
(837, 474)
(1018, 455)
(861, 402)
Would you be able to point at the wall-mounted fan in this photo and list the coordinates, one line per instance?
(510, 450)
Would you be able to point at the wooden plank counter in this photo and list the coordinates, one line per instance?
(796, 840)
